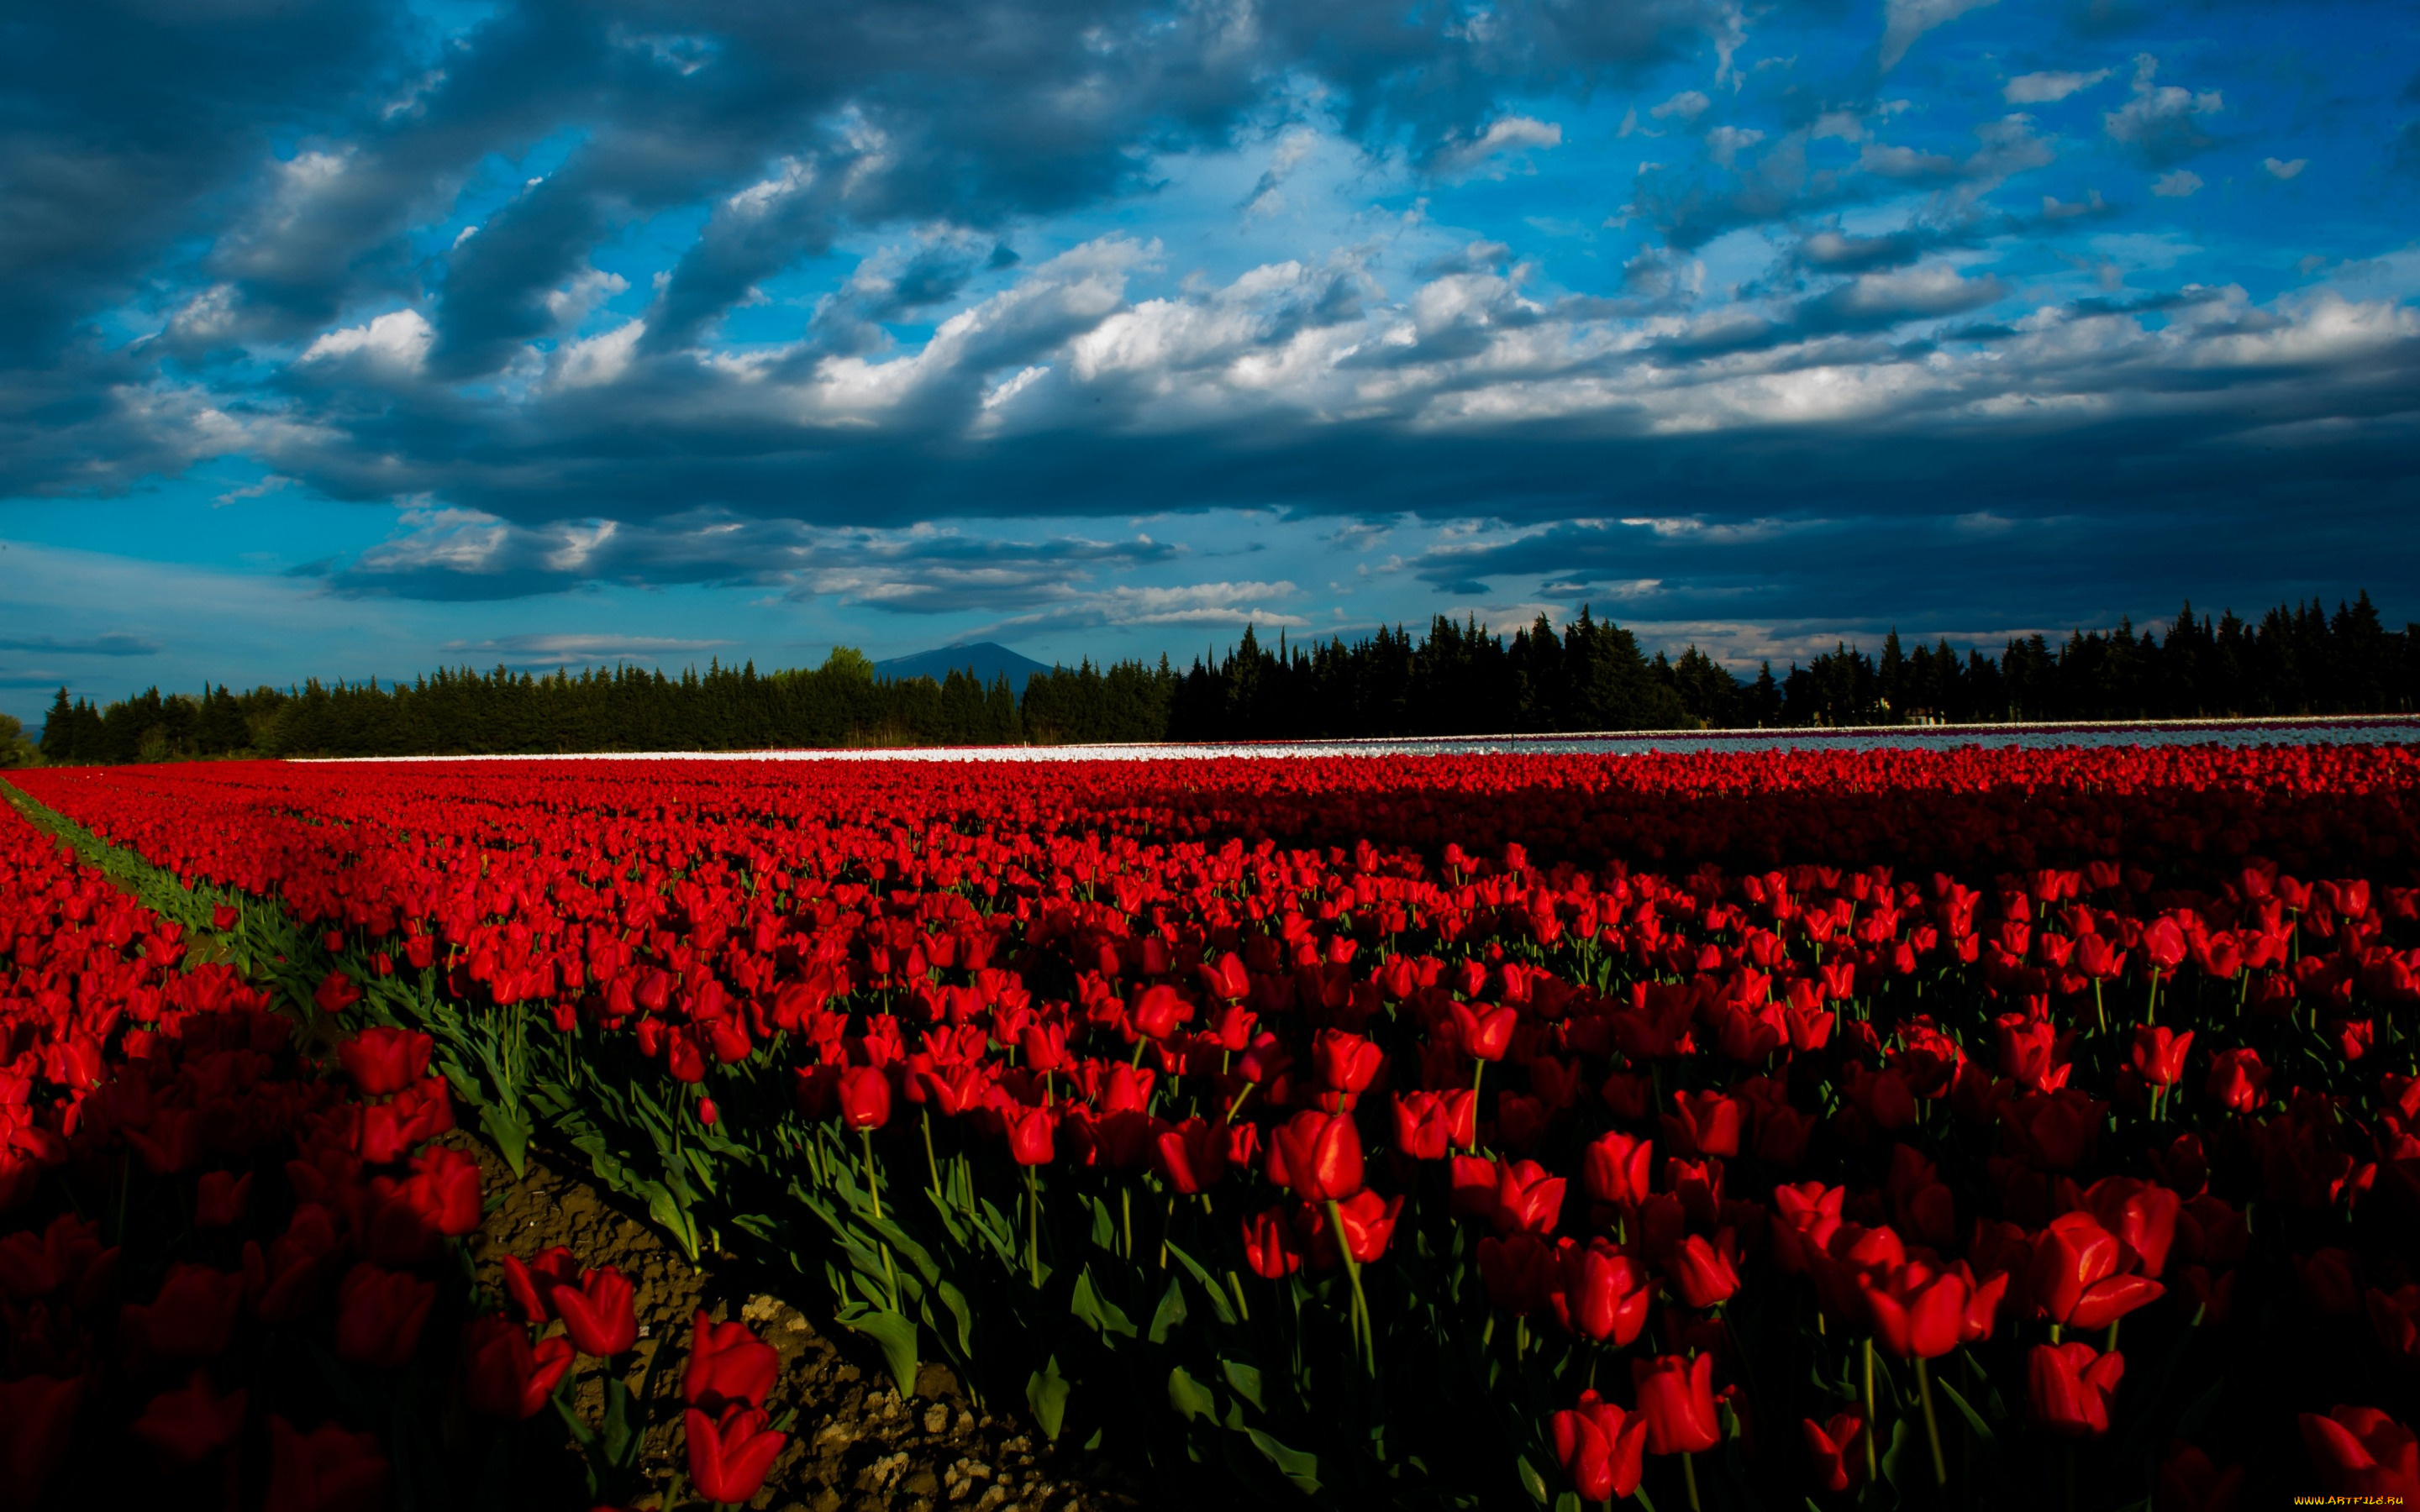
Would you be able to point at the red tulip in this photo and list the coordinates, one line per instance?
(327, 1471)
(1369, 1225)
(2237, 1079)
(193, 1422)
(1676, 1395)
(1430, 1125)
(1526, 1198)
(37, 1416)
(2054, 1129)
(1601, 1447)
(444, 1190)
(192, 1319)
(1191, 1156)
(1804, 1218)
(1615, 1168)
(864, 1097)
(1227, 979)
(2142, 1215)
(1030, 1135)
(2360, 1451)
(1347, 1062)
(727, 1363)
(1836, 1450)
(2397, 1317)
(1708, 1123)
(221, 1199)
(1158, 1011)
(1269, 1246)
(386, 1059)
(502, 1374)
(1486, 1032)
(2071, 1386)
(1702, 1272)
(2188, 1482)
(1520, 1271)
(380, 1314)
(336, 993)
(2164, 944)
(2075, 1278)
(728, 1456)
(1317, 1155)
(1605, 1295)
(532, 1284)
(599, 1313)
(2158, 1055)
(1920, 1312)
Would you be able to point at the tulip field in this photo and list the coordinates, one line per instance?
(1878, 1129)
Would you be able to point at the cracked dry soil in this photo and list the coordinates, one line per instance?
(854, 1444)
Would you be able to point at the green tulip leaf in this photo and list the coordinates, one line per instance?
(1045, 1393)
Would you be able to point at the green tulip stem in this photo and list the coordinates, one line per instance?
(1931, 1424)
(1690, 1477)
(1033, 1227)
(874, 1189)
(932, 1167)
(1364, 1332)
(2098, 1016)
(2151, 1009)
(1872, 1469)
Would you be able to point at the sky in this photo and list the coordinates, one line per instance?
(349, 338)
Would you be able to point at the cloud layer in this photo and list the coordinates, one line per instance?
(1037, 317)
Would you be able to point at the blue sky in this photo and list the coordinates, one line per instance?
(345, 338)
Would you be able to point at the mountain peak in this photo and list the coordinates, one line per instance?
(985, 659)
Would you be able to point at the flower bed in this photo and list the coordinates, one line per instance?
(1966, 1128)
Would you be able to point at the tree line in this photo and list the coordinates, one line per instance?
(1457, 679)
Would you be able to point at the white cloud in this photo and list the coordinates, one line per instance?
(1292, 148)
(2048, 89)
(1192, 604)
(1904, 162)
(1689, 105)
(1504, 135)
(397, 341)
(570, 304)
(600, 359)
(2284, 170)
(542, 649)
(2176, 185)
(2159, 116)
(266, 487)
(1724, 144)
(1904, 21)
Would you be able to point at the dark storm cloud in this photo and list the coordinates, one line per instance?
(104, 645)
(126, 122)
(456, 555)
(968, 112)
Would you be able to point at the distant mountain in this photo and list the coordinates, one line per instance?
(984, 659)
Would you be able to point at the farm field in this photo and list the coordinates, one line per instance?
(1736, 1128)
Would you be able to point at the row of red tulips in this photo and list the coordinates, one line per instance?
(1863, 1149)
(234, 1246)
